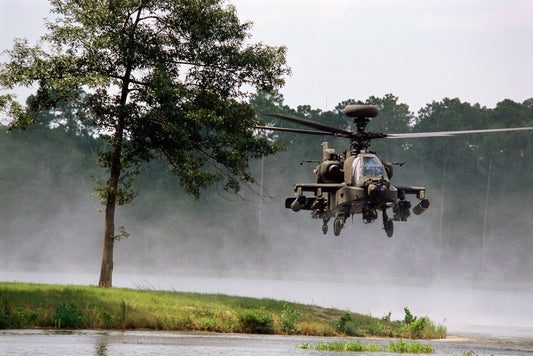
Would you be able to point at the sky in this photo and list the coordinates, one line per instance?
(480, 51)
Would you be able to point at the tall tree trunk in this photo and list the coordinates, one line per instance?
(106, 271)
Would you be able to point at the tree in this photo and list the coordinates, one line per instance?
(164, 78)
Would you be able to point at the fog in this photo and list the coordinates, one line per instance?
(255, 247)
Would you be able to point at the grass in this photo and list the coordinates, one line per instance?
(396, 347)
(24, 305)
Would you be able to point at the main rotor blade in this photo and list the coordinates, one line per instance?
(309, 132)
(314, 125)
(453, 133)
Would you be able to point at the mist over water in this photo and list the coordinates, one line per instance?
(260, 249)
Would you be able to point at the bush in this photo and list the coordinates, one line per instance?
(67, 316)
(341, 324)
(417, 327)
(257, 322)
(289, 318)
(422, 327)
(18, 318)
(348, 326)
(409, 318)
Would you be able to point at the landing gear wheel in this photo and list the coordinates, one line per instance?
(337, 226)
(389, 228)
(388, 225)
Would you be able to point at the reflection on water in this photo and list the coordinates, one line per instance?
(101, 345)
(85, 342)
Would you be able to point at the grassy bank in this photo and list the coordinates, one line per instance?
(393, 347)
(25, 305)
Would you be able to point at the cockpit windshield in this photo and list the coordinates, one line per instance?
(371, 165)
(366, 167)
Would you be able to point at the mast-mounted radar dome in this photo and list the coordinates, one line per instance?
(361, 111)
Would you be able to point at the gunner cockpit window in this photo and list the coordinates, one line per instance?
(371, 165)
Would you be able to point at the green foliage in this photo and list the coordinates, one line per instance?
(193, 120)
(257, 322)
(289, 318)
(106, 320)
(358, 346)
(341, 346)
(123, 234)
(409, 318)
(68, 316)
(417, 328)
(349, 326)
(345, 319)
(15, 318)
(123, 313)
(441, 331)
(410, 347)
(165, 81)
(422, 327)
(31, 305)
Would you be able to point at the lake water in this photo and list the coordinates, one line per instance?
(103, 343)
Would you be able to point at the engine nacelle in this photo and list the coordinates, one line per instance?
(329, 172)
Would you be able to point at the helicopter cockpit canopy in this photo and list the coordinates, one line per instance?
(367, 166)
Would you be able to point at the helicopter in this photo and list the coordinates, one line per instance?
(357, 181)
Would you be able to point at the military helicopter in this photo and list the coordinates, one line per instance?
(357, 181)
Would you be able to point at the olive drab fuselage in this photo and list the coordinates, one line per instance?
(353, 183)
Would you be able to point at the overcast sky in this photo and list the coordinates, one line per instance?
(420, 50)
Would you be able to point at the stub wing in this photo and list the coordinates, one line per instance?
(321, 193)
(420, 192)
(316, 188)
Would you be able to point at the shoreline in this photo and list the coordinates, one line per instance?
(88, 307)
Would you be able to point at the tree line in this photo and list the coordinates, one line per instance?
(479, 185)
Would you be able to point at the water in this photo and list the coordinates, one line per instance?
(86, 342)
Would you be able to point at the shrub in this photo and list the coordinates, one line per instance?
(417, 327)
(441, 331)
(18, 318)
(289, 318)
(257, 322)
(67, 316)
(409, 318)
(348, 326)
(345, 319)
